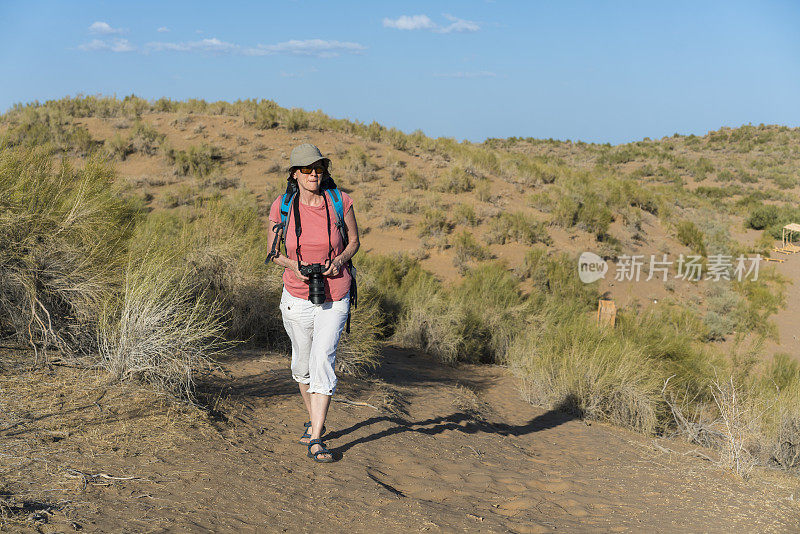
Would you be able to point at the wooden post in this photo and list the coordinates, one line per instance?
(606, 312)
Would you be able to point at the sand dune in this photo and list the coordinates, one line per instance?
(420, 447)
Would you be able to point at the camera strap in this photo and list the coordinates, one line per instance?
(298, 227)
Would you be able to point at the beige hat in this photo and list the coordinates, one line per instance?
(306, 154)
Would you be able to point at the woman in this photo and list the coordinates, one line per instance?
(314, 328)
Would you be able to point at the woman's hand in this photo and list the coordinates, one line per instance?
(334, 268)
(296, 270)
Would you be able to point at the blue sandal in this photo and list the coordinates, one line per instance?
(307, 433)
(315, 455)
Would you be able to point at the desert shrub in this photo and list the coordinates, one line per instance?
(467, 249)
(554, 276)
(221, 246)
(199, 161)
(723, 307)
(119, 147)
(691, 236)
(391, 221)
(414, 180)
(763, 216)
(448, 324)
(484, 192)
(434, 223)
(613, 374)
(358, 165)
(296, 119)
(701, 168)
(145, 138)
(570, 364)
(764, 297)
(159, 330)
(359, 350)
(41, 127)
(589, 213)
(456, 180)
(517, 226)
(63, 235)
(406, 205)
(465, 214)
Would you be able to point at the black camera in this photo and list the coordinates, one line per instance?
(316, 282)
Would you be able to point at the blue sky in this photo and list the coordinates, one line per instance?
(594, 71)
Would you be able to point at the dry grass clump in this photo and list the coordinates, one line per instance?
(221, 244)
(414, 180)
(517, 226)
(590, 372)
(159, 330)
(359, 350)
(359, 166)
(63, 235)
(447, 322)
(434, 223)
(46, 128)
(457, 180)
(74, 279)
(467, 250)
(199, 161)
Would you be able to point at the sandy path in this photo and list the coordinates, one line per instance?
(459, 451)
(787, 319)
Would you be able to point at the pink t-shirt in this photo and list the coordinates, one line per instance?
(314, 246)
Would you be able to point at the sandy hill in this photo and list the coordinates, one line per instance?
(420, 200)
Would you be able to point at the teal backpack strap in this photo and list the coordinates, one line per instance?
(336, 199)
(338, 206)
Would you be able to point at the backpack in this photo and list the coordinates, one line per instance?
(333, 194)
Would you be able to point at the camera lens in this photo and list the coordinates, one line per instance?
(316, 288)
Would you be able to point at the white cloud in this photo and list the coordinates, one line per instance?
(310, 47)
(162, 29)
(212, 45)
(410, 22)
(423, 22)
(104, 28)
(459, 25)
(474, 74)
(116, 45)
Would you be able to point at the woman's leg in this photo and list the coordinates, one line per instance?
(329, 322)
(298, 320)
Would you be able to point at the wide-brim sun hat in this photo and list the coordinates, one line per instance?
(306, 154)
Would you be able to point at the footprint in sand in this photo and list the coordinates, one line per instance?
(572, 507)
(552, 485)
(527, 528)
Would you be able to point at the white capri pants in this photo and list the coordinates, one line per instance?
(314, 330)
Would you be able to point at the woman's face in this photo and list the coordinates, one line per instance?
(310, 182)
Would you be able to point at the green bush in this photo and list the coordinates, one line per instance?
(517, 226)
(199, 161)
(762, 217)
(465, 214)
(691, 236)
(414, 180)
(457, 180)
(467, 250)
(63, 234)
(119, 147)
(434, 223)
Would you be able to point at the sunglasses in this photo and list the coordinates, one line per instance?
(307, 170)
